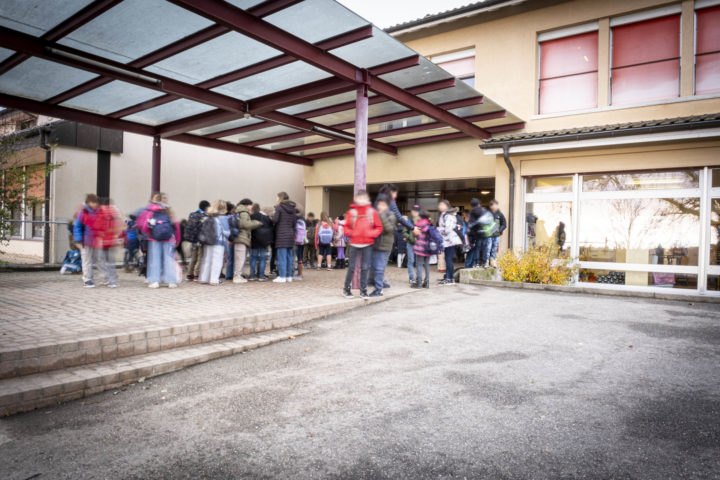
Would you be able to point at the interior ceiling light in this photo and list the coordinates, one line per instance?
(484, 192)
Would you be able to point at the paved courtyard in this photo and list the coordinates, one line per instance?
(455, 382)
(41, 307)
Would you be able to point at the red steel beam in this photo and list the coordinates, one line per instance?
(236, 148)
(235, 18)
(58, 111)
(389, 133)
(200, 120)
(428, 87)
(263, 66)
(505, 128)
(395, 65)
(192, 40)
(303, 93)
(322, 130)
(85, 61)
(202, 36)
(389, 117)
(76, 21)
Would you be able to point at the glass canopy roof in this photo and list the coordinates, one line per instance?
(270, 78)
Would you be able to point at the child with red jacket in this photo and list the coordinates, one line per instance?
(362, 227)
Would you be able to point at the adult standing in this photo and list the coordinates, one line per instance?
(390, 190)
(284, 221)
(159, 224)
(447, 226)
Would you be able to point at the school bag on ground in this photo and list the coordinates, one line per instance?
(325, 235)
(300, 231)
(192, 229)
(208, 232)
(72, 263)
(160, 226)
(435, 245)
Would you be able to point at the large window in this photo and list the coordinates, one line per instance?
(707, 51)
(656, 229)
(460, 64)
(646, 60)
(569, 73)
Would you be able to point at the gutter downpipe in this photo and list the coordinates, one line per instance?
(46, 230)
(511, 203)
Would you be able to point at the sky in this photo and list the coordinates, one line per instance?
(385, 13)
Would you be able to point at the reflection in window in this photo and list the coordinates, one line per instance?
(640, 230)
(37, 215)
(549, 223)
(638, 279)
(641, 181)
(549, 184)
(715, 231)
(713, 282)
(716, 178)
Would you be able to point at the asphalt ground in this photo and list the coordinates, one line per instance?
(452, 382)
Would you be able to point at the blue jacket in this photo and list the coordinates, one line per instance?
(82, 233)
(394, 209)
(222, 227)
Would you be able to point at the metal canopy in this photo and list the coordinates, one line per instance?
(275, 78)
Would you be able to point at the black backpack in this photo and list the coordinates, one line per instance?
(208, 232)
(192, 229)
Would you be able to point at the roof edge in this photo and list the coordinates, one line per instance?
(450, 15)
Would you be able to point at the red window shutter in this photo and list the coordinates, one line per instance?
(574, 92)
(707, 73)
(707, 46)
(648, 41)
(460, 68)
(708, 30)
(569, 55)
(568, 73)
(646, 83)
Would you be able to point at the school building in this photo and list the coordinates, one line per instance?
(621, 104)
(604, 117)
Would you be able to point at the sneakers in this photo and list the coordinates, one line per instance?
(364, 295)
(376, 293)
(297, 278)
(289, 280)
(279, 280)
(239, 280)
(252, 279)
(172, 285)
(89, 284)
(415, 285)
(347, 293)
(263, 279)
(426, 283)
(154, 285)
(386, 284)
(112, 285)
(191, 277)
(447, 282)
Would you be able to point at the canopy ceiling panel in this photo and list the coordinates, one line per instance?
(272, 78)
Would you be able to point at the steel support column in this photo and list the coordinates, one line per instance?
(156, 160)
(361, 138)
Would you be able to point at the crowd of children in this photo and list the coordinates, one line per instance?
(280, 241)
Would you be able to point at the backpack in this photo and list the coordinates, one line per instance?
(208, 232)
(488, 225)
(234, 226)
(325, 235)
(368, 214)
(459, 229)
(300, 231)
(160, 226)
(435, 245)
(192, 229)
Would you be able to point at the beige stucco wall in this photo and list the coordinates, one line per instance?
(507, 57)
(189, 174)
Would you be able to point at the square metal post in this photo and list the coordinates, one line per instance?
(156, 158)
(360, 182)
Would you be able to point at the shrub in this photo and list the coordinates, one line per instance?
(537, 265)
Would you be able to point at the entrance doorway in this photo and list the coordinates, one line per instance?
(425, 194)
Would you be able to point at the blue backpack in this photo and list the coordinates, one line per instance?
(325, 235)
(160, 226)
(435, 245)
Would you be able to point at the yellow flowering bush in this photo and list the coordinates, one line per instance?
(537, 265)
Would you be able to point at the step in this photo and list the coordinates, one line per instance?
(61, 354)
(22, 394)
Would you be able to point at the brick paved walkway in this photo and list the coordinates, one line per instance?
(42, 308)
